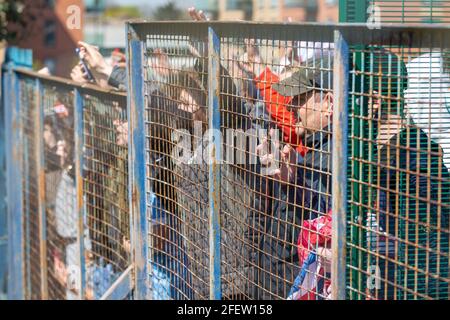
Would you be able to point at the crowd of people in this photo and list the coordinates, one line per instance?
(276, 212)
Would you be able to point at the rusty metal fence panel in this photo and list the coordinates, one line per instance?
(219, 221)
(266, 161)
(30, 181)
(74, 181)
(105, 185)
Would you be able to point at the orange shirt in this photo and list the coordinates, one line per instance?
(276, 106)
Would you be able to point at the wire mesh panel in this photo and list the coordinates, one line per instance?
(275, 98)
(176, 99)
(101, 210)
(276, 175)
(264, 82)
(411, 11)
(399, 179)
(30, 175)
(63, 256)
(105, 178)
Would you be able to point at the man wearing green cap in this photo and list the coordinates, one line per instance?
(304, 190)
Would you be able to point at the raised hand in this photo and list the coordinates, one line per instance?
(278, 162)
(197, 15)
(96, 63)
(251, 61)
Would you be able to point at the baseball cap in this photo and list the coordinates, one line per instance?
(317, 73)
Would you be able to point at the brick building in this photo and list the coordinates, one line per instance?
(48, 35)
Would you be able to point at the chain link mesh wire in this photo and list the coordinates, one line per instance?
(399, 179)
(105, 178)
(60, 192)
(411, 11)
(30, 174)
(176, 100)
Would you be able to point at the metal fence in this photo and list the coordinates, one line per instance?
(267, 161)
(395, 11)
(358, 208)
(68, 209)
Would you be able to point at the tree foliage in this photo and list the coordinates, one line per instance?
(168, 11)
(10, 12)
(18, 18)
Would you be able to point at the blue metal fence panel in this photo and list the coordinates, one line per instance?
(41, 188)
(340, 152)
(79, 182)
(137, 159)
(14, 183)
(65, 251)
(215, 158)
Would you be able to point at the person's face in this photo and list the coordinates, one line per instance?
(313, 113)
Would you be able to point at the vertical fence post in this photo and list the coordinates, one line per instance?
(15, 255)
(339, 174)
(136, 156)
(13, 151)
(3, 204)
(80, 206)
(215, 160)
(26, 174)
(39, 154)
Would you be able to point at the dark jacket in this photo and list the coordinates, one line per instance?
(166, 245)
(118, 78)
(191, 181)
(310, 197)
(415, 209)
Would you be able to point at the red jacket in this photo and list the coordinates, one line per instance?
(276, 106)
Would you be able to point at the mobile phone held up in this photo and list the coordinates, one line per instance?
(89, 75)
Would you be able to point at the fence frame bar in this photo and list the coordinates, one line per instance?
(40, 167)
(121, 288)
(25, 172)
(215, 161)
(137, 167)
(80, 205)
(339, 166)
(16, 271)
(3, 193)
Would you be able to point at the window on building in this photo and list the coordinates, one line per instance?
(274, 3)
(233, 4)
(50, 3)
(261, 4)
(293, 3)
(311, 14)
(50, 33)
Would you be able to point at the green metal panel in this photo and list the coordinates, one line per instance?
(353, 10)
